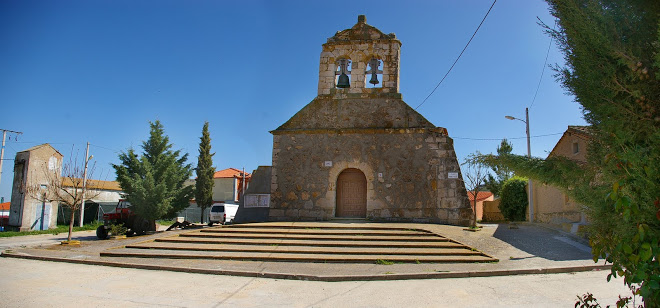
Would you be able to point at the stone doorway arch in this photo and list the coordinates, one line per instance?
(351, 194)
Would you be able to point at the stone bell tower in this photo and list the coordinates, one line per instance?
(358, 150)
(364, 54)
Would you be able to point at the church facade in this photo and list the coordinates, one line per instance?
(358, 150)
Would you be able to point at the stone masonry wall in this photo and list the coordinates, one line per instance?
(412, 164)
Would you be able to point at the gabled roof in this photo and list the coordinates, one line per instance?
(580, 129)
(36, 147)
(481, 195)
(91, 184)
(583, 131)
(230, 173)
(361, 31)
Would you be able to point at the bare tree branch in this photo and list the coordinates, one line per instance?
(65, 187)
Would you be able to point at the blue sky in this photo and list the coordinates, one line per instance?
(98, 71)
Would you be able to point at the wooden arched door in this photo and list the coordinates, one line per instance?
(351, 194)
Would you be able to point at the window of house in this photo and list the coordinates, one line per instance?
(576, 147)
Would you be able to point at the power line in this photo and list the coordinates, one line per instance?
(102, 147)
(512, 138)
(543, 70)
(459, 56)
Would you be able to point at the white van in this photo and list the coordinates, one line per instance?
(222, 213)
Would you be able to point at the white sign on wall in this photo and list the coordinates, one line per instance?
(452, 175)
(257, 200)
(328, 163)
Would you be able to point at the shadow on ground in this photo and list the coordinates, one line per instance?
(544, 243)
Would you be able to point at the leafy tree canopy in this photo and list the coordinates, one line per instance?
(154, 181)
(513, 201)
(611, 50)
(502, 173)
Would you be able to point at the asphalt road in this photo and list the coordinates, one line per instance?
(28, 283)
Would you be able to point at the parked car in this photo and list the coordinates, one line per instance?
(222, 213)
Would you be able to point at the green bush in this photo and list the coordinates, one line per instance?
(513, 198)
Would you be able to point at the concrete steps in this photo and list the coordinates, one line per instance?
(306, 242)
(290, 257)
(455, 250)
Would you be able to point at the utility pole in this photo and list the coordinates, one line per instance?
(82, 205)
(243, 190)
(2, 152)
(529, 155)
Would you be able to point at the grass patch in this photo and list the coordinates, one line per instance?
(165, 222)
(384, 262)
(58, 230)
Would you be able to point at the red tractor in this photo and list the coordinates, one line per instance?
(123, 216)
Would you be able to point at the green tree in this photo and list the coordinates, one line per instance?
(502, 173)
(474, 175)
(154, 182)
(513, 201)
(205, 171)
(612, 54)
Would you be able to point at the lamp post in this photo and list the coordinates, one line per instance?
(84, 183)
(529, 155)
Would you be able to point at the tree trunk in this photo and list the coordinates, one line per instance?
(474, 221)
(73, 215)
(202, 219)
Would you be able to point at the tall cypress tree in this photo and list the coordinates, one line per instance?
(205, 171)
(154, 182)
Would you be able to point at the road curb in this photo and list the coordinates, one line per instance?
(335, 278)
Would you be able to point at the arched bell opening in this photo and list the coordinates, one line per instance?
(374, 74)
(342, 73)
(351, 194)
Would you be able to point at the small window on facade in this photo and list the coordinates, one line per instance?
(576, 147)
(374, 73)
(343, 71)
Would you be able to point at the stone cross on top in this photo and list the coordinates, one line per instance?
(354, 54)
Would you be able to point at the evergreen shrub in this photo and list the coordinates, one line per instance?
(513, 198)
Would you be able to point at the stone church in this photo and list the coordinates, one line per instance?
(358, 150)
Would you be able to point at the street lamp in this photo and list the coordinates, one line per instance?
(529, 155)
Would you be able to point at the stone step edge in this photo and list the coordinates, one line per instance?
(313, 244)
(337, 227)
(314, 232)
(315, 238)
(307, 259)
(466, 252)
(325, 278)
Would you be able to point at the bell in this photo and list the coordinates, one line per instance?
(343, 81)
(374, 79)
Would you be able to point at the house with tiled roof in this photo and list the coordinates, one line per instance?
(228, 184)
(481, 197)
(228, 187)
(551, 205)
(103, 197)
